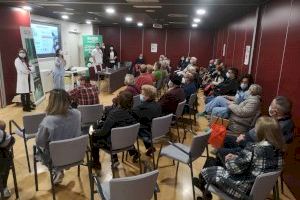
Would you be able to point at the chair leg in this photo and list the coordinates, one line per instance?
(35, 169)
(158, 157)
(52, 184)
(178, 135)
(90, 175)
(138, 149)
(207, 152)
(15, 178)
(27, 156)
(281, 182)
(112, 166)
(123, 157)
(192, 176)
(78, 171)
(191, 121)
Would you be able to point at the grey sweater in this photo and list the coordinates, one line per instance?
(4, 141)
(58, 127)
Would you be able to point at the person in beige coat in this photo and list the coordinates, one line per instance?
(243, 115)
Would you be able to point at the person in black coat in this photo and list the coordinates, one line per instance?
(140, 60)
(181, 64)
(112, 57)
(145, 112)
(119, 116)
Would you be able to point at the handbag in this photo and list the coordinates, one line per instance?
(218, 133)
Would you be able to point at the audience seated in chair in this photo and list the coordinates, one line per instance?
(219, 105)
(145, 112)
(144, 78)
(173, 96)
(228, 87)
(235, 173)
(157, 73)
(119, 116)
(242, 115)
(280, 109)
(189, 85)
(6, 142)
(130, 85)
(85, 93)
(61, 123)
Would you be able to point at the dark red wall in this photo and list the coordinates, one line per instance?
(172, 42)
(10, 42)
(277, 48)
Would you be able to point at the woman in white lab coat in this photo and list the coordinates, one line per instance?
(59, 70)
(23, 80)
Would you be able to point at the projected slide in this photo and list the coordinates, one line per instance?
(46, 38)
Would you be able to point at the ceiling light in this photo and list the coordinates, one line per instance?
(28, 8)
(140, 24)
(69, 9)
(136, 6)
(128, 19)
(88, 22)
(194, 25)
(197, 20)
(201, 11)
(110, 10)
(150, 11)
(65, 17)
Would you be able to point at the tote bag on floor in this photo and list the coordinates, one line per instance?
(218, 133)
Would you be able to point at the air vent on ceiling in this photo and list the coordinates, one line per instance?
(142, 1)
(137, 6)
(51, 5)
(150, 11)
(157, 25)
(177, 15)
(177, 23)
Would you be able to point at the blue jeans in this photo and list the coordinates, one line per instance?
(146, 136)
(217, 107)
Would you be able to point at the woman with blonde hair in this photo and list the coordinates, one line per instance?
(61, 123)
(239, 170)
(130, 85)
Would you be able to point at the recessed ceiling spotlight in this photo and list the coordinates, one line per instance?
(28, 8)
(69, 9)
(201, 11)
(128, 19)
(150, 11)
(65, 17)
(197, 20)
(140, 24)
(110, 10)
(88, 22)
(194, 25)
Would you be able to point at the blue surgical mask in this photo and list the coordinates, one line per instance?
(142, 98)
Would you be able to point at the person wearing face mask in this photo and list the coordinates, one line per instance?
(189, 85)
(145, 112)
(112, 56)
(219, 105)
(173, 96)
(97, 55)
(58, 71)
(23, 80)
(280, 109)
(181, 64)
(242, 114)
(140, 60)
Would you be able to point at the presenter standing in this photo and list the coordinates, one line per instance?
(23, 80)
(112, 56)
(59, 70)
(97, 55)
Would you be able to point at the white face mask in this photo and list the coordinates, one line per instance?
(183, 80)
(103, 47)
(170, 84)
(97, 47)
(141, 57)
(142, 98)
(111, 48)
(243, 86)
(22, 55)
(227, 75)
(270, 111)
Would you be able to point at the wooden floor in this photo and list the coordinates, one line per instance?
(76, 188)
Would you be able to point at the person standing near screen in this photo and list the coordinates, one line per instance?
(23, 79)
(112, 56)
(97, 55)
(59, 70)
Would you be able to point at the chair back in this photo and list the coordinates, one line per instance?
(161, 126)
(199, 144)
(136, 101)
(69, 151)
(192, 100)
(180, 108)
(31, 122)
(263, 185)
(159, 84)
(140, 187)
(90, 113)
(124, 137)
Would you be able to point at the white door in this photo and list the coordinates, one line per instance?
(73, 49)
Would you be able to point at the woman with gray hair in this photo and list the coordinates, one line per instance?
(243, 114)
(130, 83)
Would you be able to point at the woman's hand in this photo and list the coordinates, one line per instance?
(230, 157)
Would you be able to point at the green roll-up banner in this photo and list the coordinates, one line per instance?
(89, 43)
(35, 78)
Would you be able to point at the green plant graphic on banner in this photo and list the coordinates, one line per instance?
(89, 43)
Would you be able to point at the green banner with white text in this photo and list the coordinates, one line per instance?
(89, 43)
